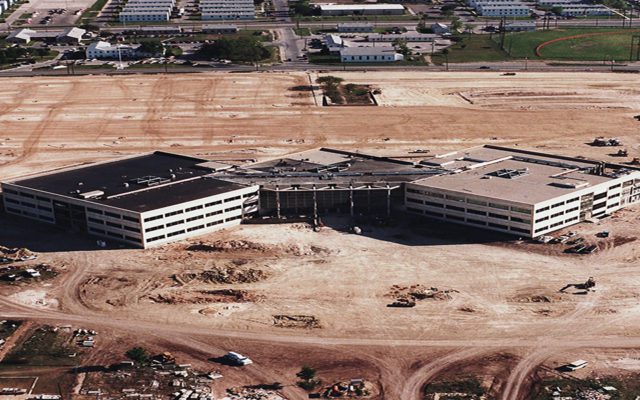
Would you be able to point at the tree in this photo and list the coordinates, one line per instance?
(468, 28)
(138, 354)
(448, 9)
(307, 373)
(557, 10)
(308, 382)
(243, 49)
(456, 24)
(401, 46)
(152, 47)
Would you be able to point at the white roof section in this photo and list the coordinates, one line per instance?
(73, 32)
(367, 51)
(23, 34)
(348, 7)
(513, 175)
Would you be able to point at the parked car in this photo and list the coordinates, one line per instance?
(237, 359)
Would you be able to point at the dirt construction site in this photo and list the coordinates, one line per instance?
(415, 309)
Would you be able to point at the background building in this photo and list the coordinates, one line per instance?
(369, 54)
(361, 9)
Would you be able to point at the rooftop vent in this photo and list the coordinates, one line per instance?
(91, 195)
(509, 173)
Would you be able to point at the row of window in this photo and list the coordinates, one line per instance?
(113, 234)
(30, 214)
(112, 215)
(556, 205)
(27, 195)
(199, 207)
(469, 210)
(468, 200)
(194, 228)
(556, 224)
(468, 220)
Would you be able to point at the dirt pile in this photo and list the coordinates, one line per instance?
(296, 321)
(226, 274)
(228, 246)
(420, 292)
(536, 298)
(205, 297)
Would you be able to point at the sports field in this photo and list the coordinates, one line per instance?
(584, 44)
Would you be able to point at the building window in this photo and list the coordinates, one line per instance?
(180, 232)
(521, 220)
(175, 223)
(214, 203)
(233, 208)
(195, 228)
(132, 229)
(232, 218)
(153, 239)
(195, 218)
(499, 226)
(154, 228)
(521, 210)
(455, 208)
(412, 200)
(499, 216)
(126, 218)
(543, 209)
(173, 213)
(557, 214)
(114, 225)
(432, 204)
(499, 206)
(10, 200)
(558, 204)
(193, 208)
(541, 219)
(415, 210)
(232, 199)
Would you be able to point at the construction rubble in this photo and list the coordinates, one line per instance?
(8, 255)
(407, 296)
(296, 321)
(226, 274)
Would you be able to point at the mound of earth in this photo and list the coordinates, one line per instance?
(296, 321)
(228, 246)
(226, 274)
(206, 296)
(15, 254)
(536, 298)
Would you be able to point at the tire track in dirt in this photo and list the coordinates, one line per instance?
(157, 104)
(415, 384)
(30, 145)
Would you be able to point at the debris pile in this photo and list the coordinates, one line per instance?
(15, 273)
(243, 393)
(354, 388)
(206, 296)
(407, 296)
(227, 274)
(227, 246)
(296, 321)
(601, 141)
(8, 255)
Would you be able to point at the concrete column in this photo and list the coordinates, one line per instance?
(277, 201)
(388, 200)
(351, 200)
(315, 204)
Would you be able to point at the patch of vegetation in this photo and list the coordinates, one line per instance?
(469, 386)
(243, 49)
(471, 48)
(304, 8)
(302, 31)
(45, 346)
(138, 354)
(90, 13)
(10, 55)
(307, 376)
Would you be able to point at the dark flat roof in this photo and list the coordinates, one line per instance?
(168, 179)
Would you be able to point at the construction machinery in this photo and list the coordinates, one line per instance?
(586, 286)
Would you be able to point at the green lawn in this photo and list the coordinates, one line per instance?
(473, 48)
(302, 31)
(523, 44)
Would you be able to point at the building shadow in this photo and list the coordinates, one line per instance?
(16, 232)
(410, 230)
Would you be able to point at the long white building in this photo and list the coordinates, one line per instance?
(520, 192)
(361, 9)
(369, 55)
(503, 10)
(227, 10)
(143, 201)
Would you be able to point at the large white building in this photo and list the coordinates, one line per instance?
(147, 10)
(503, 10)
(520, 192)
(349, 27)
(143, 201)
(104, 50)
(369, 55)
(361, 9)
(227, 10)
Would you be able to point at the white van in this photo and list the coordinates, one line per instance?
(238, 359)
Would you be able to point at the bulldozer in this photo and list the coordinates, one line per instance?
(586, 286)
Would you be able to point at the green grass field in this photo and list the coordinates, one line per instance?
(517, 46)
(523, 44)
(473, 48)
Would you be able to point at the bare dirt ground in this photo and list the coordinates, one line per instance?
(232, 290)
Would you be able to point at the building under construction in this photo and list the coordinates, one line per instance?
(161, 197)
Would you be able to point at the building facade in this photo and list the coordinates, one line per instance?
(369, 55)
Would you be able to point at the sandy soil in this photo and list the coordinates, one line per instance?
(506, 309)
